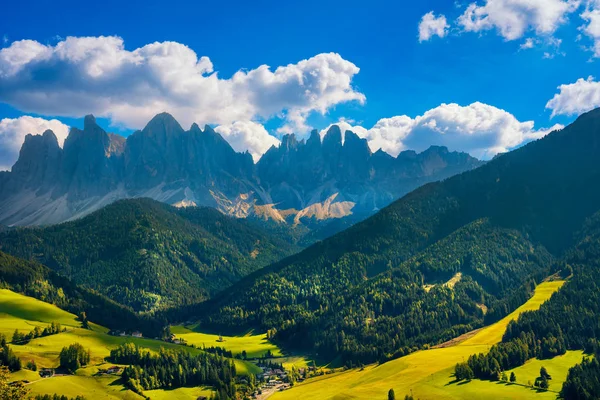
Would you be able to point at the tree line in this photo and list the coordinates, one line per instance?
(24, 338)
(174, 368)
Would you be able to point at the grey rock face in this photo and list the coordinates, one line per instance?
(298, 182)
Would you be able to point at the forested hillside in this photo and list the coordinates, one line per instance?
(148, 255)
(36, 280)
(362, 291)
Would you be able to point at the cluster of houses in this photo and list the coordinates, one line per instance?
(109, 371)
(123, 333)
(270, 374)
(46, 372)
(173, 339)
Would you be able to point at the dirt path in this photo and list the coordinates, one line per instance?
(457, 340)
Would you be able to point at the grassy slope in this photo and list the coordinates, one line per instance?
(179, 394)
(23, 313)
(428, 373)
(254, 345)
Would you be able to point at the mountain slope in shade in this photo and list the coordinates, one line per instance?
(147, 254)
(299, 182)
(362, 293)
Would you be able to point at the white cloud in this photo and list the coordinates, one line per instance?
(14, 130)
(513, 18)
(479, 129)
(592, 30)
(576, 98)
(248, 135)
(81, 75)
(528, 44)
(431, 25)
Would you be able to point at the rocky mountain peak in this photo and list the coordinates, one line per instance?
(89, 121)
(356, 145)
(314, 140)
(50, 138)
(162, 127)
(39, 161)
(333, 137)
(289, 142)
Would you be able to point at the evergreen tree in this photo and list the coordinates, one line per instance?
(391, 395)
(544, 373)
(74, 357)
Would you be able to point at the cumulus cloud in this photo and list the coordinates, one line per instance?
(431, 25)
(81, 75)
(248, 135)
(528, 44)
(513, 18)
(576, 98)
(591, 15)
(479, 129)
(14, 130)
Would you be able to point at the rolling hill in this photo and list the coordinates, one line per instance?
(148, 255)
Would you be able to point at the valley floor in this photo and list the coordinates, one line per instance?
(428, 374)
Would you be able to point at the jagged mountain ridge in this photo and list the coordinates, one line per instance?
(297, 181)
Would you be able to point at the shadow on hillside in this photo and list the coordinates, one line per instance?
(457, 382)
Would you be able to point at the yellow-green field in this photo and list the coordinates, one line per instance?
(254, 345)
(24, 313)
(178, 394)
(428, 373)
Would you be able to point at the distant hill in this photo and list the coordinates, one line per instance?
(149, 255)
(377, 289)
(300, 182)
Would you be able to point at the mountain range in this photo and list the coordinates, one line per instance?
(299, 182)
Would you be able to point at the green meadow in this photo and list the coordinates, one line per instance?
(24, 313)
(254, 345)
(428, 373)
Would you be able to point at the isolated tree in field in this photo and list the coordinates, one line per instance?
(391, 395)
(544, 373)
(31, 365)
(84, 321)
(513, 377)
(544, 383)
(504, 377)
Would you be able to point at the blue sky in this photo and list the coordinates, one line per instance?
(399, 74)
